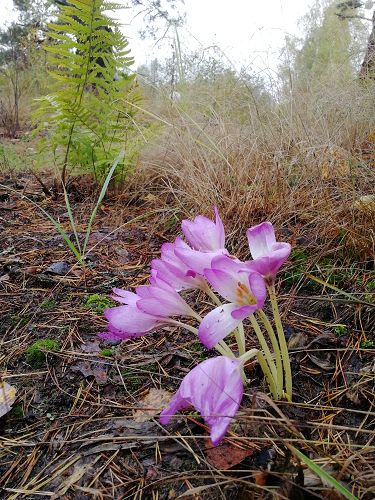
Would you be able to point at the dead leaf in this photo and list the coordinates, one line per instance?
(7, 397)
(87, 369)
(91, 347)
(226, 455)
(155, 401)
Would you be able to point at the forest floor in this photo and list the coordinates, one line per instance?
(77, 430)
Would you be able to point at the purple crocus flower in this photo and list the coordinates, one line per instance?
(160, 299)
(145, 311)
(203, 234)
(243, 288)
(128, 321)
(174, 271)
(215, 389)
(268, 254)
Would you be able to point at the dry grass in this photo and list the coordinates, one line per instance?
(302, 163)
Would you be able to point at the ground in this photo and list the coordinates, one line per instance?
(76, 429)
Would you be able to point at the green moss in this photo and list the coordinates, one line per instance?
(20, 320)
(367, 344)
(48, 304)
(34, 353)
(106, 353)
(16, 412)
(340, 330)
(98, 303)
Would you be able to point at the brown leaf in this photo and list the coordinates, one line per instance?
(97, 370)
(225, 455)
(7, 397)
(155, 401)
(91, 347)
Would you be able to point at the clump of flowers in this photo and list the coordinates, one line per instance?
(214, 387)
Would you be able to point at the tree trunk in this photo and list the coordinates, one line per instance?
(368, 65)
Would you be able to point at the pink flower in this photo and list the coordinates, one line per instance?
(243, 288)
(127, 321)
(174, 271)
(203, 234)
(215, 389)
(268, 254)
(145, 311)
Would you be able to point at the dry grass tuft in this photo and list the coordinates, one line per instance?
(304, 161)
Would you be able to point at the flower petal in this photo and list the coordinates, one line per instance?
(261, 238)
(176, 277)
(225, 284)
(163, 302)
(269, 265)
(215, 389)
(131, 320)
(124, 296)
(217, 324)
(203, 234)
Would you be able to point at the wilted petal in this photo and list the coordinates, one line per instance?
(204, 234)
(217, 324)
(215, 389)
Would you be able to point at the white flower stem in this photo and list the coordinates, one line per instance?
(276, 349)
(255, 353)
(282, 342)
(221, 347)
(266, 350)
(240, 339)
(191, 329)
(212, 296)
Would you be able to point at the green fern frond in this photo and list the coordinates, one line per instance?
(86, 113)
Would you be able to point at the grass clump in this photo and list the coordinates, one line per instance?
(106, 353)
(98, 303)
(35, 354)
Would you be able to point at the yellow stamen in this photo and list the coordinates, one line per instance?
(244, 295)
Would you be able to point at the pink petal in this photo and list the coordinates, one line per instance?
(215, 389)
(225, 284)
(258, 288)
(203, 234)
(124, 296)
(130, 319)
(217, 324)
(195, 260)
(177, 277)
(163, 302)
(261, 238)
(269, 265)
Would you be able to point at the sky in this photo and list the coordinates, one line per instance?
(250, 33)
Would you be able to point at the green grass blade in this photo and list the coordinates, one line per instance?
(100, 198)
(324, 476)
(71, 218)
(338, 290)
(66, 238)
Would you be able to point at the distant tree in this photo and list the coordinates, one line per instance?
(350, 9)
(18, 43)
(327, 45)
